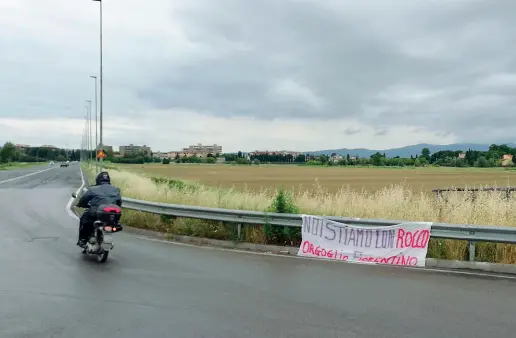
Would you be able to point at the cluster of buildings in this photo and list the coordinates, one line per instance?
(197, 150)
(274, 152)
(26, 146)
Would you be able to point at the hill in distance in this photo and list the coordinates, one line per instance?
(405, 151)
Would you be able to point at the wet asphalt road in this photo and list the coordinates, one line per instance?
(154, 289)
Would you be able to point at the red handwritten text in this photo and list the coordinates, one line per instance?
(408, 239)
(393, 260)
(308, 247)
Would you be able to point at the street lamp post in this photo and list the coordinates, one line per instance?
(96, 114)
(90, 138)
(84, 143)
(101, 87)
(85, 139)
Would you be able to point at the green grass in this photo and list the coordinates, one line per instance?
(20, 165)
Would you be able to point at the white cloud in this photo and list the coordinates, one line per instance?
(271, 74)
(290, 90)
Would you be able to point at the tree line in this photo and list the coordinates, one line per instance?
(141, 158)
(10, 153)
(493, 157)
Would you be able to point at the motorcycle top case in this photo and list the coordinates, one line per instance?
(109, 213)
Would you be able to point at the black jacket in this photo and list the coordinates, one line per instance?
(100, 194)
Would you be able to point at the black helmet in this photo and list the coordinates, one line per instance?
(102, 178)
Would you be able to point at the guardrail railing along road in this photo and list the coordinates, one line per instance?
(470, 233)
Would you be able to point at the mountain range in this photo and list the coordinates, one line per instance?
(406, 151)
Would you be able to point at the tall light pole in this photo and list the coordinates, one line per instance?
(101, 87)
(90, 138)
(96, 114)
(84, 144)
(86, 118)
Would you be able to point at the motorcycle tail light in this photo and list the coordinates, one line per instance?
(108, 228)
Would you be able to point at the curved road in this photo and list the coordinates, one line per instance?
(155, 289)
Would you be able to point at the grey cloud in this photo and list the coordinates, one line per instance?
(352, 131)
(347, 55)
(447, 66)
(381, 132)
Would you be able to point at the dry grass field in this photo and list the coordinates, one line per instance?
(332, 179)
(384, 199)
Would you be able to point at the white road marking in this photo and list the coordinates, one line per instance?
(69, 205)
(23, 176)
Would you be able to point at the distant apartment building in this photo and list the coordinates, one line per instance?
(22, 147)
(107, 149)
(161, 155)
(203, 149)
(175, 154)
(462, 156)
(48, 146)
(133, 149)
(336, 158)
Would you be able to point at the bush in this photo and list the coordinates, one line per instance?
(282, 204)
(166, 161)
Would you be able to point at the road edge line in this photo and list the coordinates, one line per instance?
(70, 202)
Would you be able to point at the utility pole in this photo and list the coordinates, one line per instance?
(96, 115)
(101, 143)
(90, 136)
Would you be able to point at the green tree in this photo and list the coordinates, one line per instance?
(377, 159)
(482, 162)
(8, 152)
(323, 158)
(425, 153)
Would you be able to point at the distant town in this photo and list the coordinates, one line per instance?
(495, 156)
(198, 150)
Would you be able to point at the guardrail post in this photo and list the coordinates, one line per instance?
(239, 231)
(471, 251)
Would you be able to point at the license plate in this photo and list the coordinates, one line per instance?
(108, 239)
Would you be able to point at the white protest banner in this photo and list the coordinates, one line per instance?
(401, 244)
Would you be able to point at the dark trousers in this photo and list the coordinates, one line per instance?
(86, 225)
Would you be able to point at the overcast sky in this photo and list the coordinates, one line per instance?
(267, 74)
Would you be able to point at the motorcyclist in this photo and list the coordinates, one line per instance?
(101, 193)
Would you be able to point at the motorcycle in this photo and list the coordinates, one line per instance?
(100, 242)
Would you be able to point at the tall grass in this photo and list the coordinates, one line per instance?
(396, 202)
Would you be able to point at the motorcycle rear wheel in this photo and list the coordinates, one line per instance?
(102, 257)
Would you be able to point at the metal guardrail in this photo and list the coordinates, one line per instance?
(507, 190)
(470, 233)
